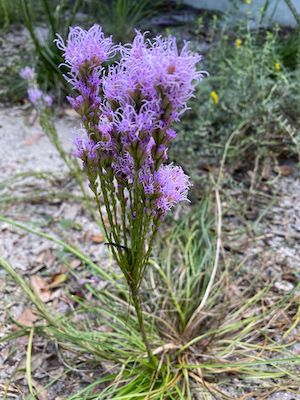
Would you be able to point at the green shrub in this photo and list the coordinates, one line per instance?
(121, 17)
(250, 97)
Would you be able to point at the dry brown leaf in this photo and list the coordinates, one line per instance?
(290, 277)
(238, 245)
(41, 392)
(33, 139)
(41, 257)
(75, 263)
(86, 237)
(27, 317)
(46, 257)
(284, 170)
(36, 362)
(98, 238)
(40, 287)
(266, 170)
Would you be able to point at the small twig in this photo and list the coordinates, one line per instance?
(254, 175)
(165, 348)
(28, 361)
(117, 245)
(293, 11)
(241, 128)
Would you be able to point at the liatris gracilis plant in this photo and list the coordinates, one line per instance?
(127, 114)
(36, 96)
(42, 102)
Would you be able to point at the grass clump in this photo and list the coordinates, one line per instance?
(121, 17)
(9, 13)
(203, 343)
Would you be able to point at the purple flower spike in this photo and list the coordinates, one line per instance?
(48, 100)
(85, 49)
(128, 111)
(85, 147)
(147, 180)
(28, 73)
(35, 95)
(38, 98)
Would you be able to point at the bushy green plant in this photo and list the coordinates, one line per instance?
(121, 17)
(249, 89)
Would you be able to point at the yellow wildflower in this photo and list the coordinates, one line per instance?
(277, 66)
(214, 96)
(238, 43)
(248, 1)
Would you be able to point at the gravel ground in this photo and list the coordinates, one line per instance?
(24, 147)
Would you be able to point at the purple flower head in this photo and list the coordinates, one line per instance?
(85, 49)
(105, 127)
(170, 135)
(84, 53)
(35, 95)
(89, 95)
(38, 98)
(146, 178)
(85, 147)
(123, 167)
(77, 103)
(48, 100)
(172, 185)
(162, 73)
(28, 74)
(135, 124)
(117, 85)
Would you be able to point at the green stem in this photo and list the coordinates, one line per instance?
(136, 299)
(293, 11)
